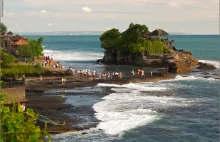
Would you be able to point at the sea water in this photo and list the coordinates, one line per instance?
(185, 109)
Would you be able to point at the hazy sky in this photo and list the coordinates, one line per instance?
(187, 16)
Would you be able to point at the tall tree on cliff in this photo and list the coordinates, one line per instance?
(3, 28)
(110, 39)
(132, 38)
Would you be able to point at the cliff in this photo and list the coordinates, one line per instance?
(177, 61)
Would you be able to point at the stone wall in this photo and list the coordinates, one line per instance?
(15, 94)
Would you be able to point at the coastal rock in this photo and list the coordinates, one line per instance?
(205, 66)
(178, 61)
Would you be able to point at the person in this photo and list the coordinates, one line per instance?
(63, 80)
(41, 78)
(142, 73)
(23, 79)
(132, 72)
(151, 74)
(139, 72)
(23, 107)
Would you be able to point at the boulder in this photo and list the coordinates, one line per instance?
(205, 66)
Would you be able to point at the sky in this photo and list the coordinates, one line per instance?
(176, 16)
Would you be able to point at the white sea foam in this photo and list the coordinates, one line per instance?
(127, 108)
(73, 56)
(117, 122)
(215, 63)
(190, 77)
(108, 85)
(144, 87)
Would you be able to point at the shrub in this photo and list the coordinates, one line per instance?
(166, 51)
(17, 125)
(18, 70)
(6, 58)
(38, 66)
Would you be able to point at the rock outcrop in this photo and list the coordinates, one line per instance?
(177, 61)
(205, 66)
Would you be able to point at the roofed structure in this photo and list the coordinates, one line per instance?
(21, 42)
(158, 32)
(16, 38)
(10, 33)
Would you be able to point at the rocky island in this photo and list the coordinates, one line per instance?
(138, 46)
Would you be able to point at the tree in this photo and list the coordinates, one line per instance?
(25, 51)
(3, 28)
(36, 46)
(6, 58)
(110, 39)
(132, 36)
(132, 41)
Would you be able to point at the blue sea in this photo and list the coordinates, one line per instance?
(185, 109)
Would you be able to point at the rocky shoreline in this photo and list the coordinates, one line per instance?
(53, 106)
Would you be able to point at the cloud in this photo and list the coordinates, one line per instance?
(43, 11)
(50, 24)
(86, 9)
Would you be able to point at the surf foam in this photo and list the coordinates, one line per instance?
(73, 55)
(127, 108)
(215, 63)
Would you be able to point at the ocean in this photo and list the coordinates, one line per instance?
(185, 109)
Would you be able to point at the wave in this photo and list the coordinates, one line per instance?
(127, 108)
(215, 63)
(73, 55)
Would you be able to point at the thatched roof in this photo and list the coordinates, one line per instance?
(159, 32)
(10, 33)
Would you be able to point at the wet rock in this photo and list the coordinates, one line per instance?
(205, 66)
(84, 133)
(207, 77)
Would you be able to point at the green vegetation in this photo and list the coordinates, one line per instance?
(34, 49)
(3, 28)
(18, 70)
(132, 41)
(17, 125)
(6, 58)
(25, 51)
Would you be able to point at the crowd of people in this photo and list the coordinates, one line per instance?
(95, 75)
(48, 62)
(91, 75)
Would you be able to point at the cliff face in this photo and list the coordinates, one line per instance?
(178, 61)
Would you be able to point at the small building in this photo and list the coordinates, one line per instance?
(10, 33)
(10, 43)
(19, 40)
